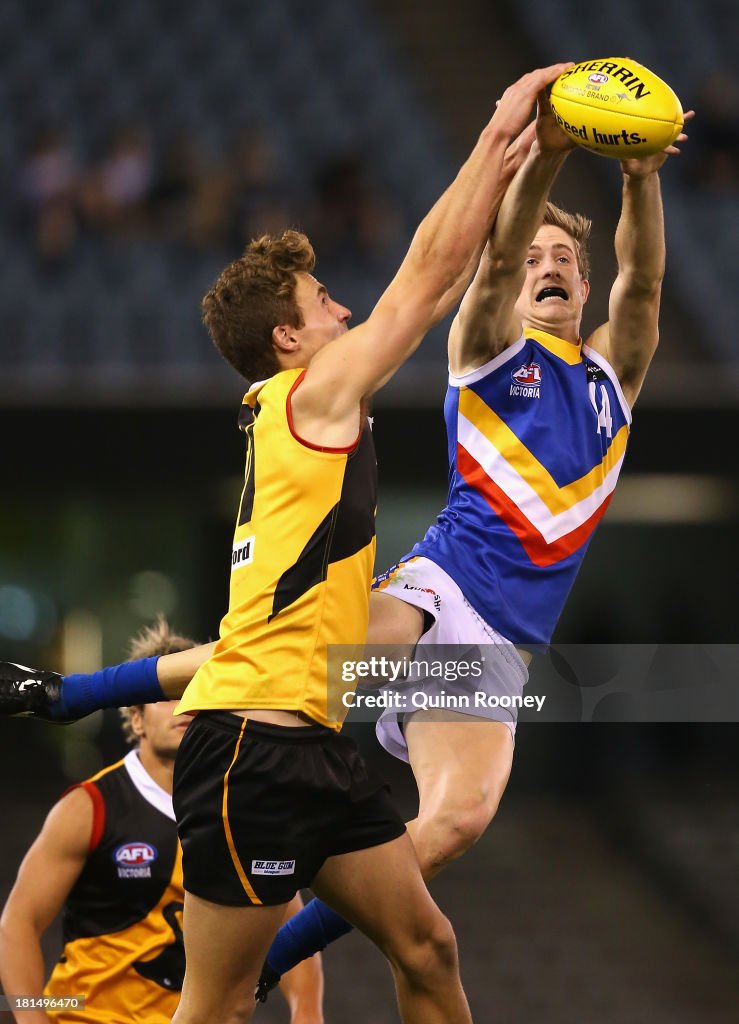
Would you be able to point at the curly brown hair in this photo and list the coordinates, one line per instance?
(155, 639)
(254, 294)
(578, 228)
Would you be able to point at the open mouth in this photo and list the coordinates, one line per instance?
(552, 292)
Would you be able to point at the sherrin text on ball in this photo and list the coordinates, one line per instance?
(616, 107)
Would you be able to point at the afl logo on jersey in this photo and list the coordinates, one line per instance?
(134, 860)
(526, 380)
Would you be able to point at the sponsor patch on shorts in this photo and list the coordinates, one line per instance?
(273, 867)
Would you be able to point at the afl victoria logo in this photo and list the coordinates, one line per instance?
(134, 860)
(134, 854)
(526, 380)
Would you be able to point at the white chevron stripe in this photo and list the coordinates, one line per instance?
(551, 526)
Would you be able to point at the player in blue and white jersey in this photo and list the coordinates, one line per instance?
(537, 424)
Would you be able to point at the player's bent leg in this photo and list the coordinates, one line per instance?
(306, 933)
(381, 891)
(461, 765)
(224, 950)
(302, 986)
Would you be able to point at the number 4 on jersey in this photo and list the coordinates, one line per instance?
(605, 420)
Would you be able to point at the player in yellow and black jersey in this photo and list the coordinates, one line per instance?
(269, 796)
(303, 550)
(109, 854)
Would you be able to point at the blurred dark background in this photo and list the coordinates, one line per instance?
(142, 145)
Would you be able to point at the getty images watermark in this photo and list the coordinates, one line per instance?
(477, 685)
(621, 683)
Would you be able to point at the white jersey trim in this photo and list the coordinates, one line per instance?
(601, 361)
(492, 364)
(150, 790)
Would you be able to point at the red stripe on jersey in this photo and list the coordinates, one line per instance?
(539, 551)
(348, 449)
(98, 814)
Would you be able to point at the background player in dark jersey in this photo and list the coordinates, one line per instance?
(108, 855)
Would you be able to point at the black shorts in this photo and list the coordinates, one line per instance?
(260, 807)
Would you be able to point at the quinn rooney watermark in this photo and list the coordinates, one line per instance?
(385, 670)
(418, 700)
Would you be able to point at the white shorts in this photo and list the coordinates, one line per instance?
(425, 585)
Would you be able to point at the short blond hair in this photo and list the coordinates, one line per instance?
(578, 228)
(153, 640)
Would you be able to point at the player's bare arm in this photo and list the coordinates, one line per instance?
(486, 323)
(49, 870)
(437, 265)
(629, 339)
(515, 155)
(174, 671)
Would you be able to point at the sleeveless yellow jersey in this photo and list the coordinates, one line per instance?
(301, 565)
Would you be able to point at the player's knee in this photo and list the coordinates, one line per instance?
(449, 835)
(242, 1008)
(429, 959)
(235, 1008)
(473, 821)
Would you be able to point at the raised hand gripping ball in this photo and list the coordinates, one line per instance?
(616, 107)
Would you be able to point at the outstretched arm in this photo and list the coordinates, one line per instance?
(174, 671)
(629, 339)
(485, 324)
(436, 265)
(46, 876)
(515, 155)
(56, 698)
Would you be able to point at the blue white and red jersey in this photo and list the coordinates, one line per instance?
(536, 439)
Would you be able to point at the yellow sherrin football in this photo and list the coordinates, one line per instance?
(616, 107)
